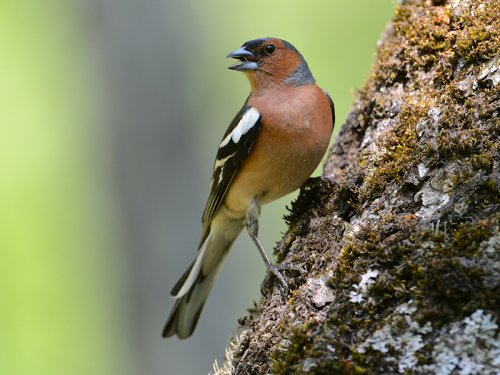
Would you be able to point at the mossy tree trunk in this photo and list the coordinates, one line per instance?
(398, 246)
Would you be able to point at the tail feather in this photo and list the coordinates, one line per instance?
(189, 277)
(178, 285)
(193, 288)
(186, 312)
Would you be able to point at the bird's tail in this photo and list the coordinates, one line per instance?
(192, 289)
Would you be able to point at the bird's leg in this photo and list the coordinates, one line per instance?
(252, 225)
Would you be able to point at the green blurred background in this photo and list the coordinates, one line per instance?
(111, 112)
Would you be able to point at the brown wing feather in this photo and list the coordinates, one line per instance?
(227, 162)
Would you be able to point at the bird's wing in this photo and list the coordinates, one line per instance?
(234, 148)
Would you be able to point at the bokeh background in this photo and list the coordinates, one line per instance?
(111, 113)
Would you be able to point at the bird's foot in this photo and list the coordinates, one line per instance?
(276, 272)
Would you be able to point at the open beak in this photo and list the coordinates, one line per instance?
(247, 59)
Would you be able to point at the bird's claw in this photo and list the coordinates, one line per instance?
(277, 270)
(277, 273)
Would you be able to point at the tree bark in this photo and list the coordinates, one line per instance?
(394, 254)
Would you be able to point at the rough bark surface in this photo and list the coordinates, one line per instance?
(397, 248)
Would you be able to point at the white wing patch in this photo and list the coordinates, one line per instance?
(248, 120)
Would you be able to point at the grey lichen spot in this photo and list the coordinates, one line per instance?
(400, 335)
(422, 170)
(434, 196)
(490, 74)
(320, 293)
(432, 200)
(309, 364)
(361, 289)
(459, 7)
(468, 347)
(435, 114)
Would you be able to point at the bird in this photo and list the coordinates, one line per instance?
(270, 149)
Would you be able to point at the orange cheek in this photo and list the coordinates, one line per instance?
(284, 64)
(273, 71)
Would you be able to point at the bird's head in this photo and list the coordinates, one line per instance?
(271, 62)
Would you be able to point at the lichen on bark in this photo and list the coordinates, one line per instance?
(395, 253)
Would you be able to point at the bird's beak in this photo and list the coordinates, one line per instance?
(247, 59)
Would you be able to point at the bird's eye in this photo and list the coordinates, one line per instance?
(269, 49)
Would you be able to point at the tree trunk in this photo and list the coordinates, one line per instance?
(396, 249)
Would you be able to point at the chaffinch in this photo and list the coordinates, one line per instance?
(270, 149)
